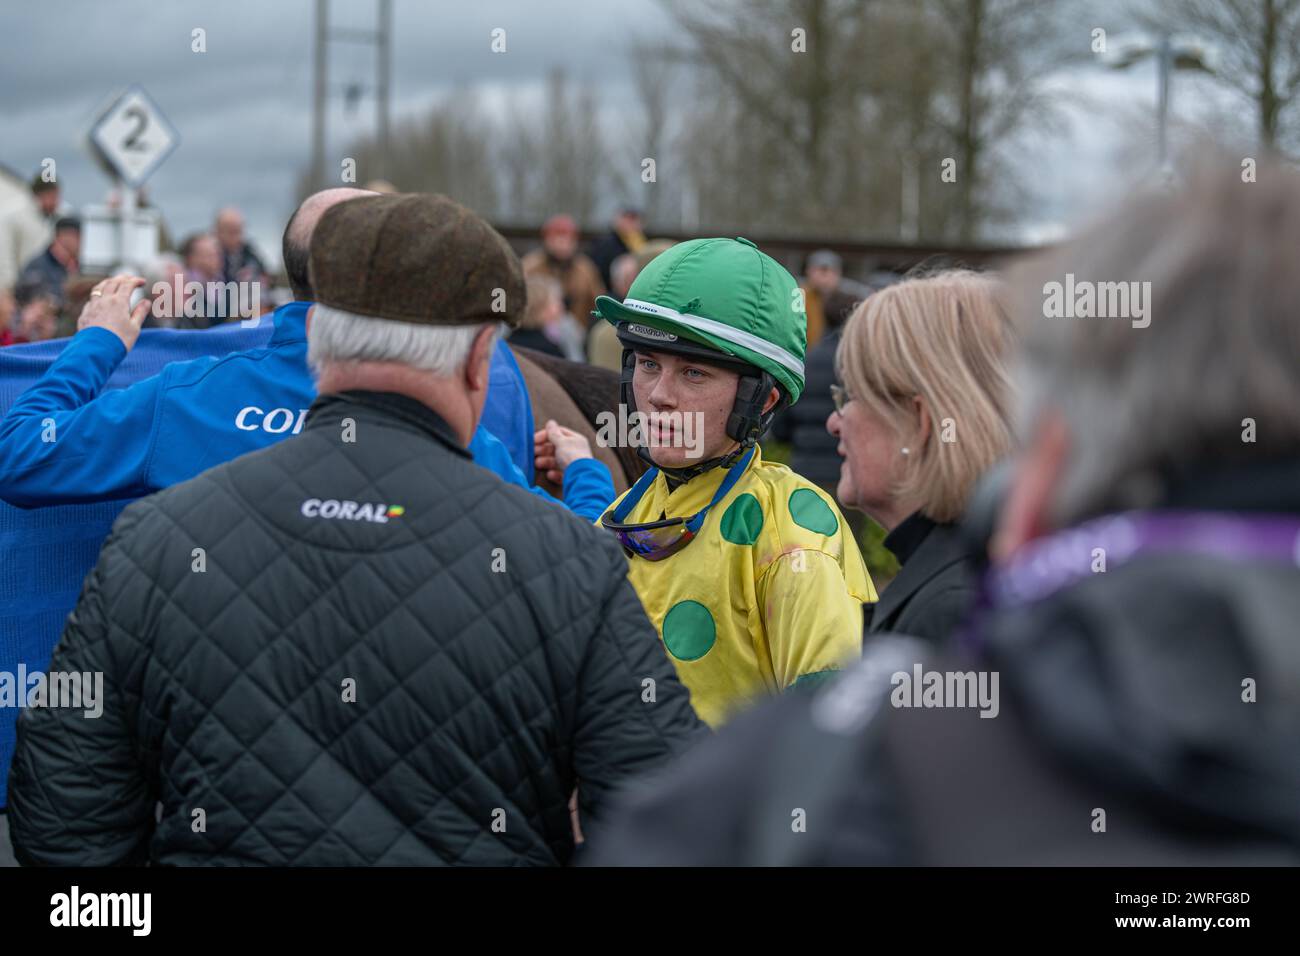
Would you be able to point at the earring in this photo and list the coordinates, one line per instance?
(906, 451)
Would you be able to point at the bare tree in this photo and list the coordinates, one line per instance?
(527, 166)
(447, 151)
(1259, 46)
(554, 160)
(999, 52)
(814, 117)
(826, 114)
(650, 134)
(574, 146)
(516, 154)
(777, 117)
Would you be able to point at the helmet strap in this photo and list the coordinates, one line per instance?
(746, 423)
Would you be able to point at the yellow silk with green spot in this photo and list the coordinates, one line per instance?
(769, 592)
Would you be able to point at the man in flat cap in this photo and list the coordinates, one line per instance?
(356, 646)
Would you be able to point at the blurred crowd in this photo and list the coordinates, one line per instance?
(1098, 515)
(564, 282)
(44, 284)
(43, 288)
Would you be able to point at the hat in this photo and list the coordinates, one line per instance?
(67, 222)
(414, 257)
(723, 294)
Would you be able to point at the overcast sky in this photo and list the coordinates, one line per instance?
(243, 108)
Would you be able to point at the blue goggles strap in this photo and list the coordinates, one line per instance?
(693, 525)
(733, 475)
(635, 495)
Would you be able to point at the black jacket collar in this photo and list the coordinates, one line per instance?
(924, 549)
(389, 407)
(908, 535)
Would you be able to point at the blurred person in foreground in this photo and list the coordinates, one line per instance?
(1142, 604)
(389, 656)
(924, 412)
(744, 566)
(829, 297)
(560, 259)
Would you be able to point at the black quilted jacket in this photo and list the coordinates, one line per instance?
(383, 654)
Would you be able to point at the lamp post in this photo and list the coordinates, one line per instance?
(1173, 51)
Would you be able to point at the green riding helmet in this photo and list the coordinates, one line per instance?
(726, 295)
(722, 302)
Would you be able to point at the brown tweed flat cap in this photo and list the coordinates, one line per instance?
(415, 257)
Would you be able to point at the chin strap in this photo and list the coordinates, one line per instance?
(679, 476)
(746, 423)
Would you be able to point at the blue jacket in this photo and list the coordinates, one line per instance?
(181, 402)
(63, 442)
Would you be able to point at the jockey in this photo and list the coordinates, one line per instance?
(744, 567)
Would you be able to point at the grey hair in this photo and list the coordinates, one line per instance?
(336, 336)
(1219, 357)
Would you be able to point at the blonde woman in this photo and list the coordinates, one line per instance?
(923, 411)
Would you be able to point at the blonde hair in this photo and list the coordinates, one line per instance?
(945, 339)
(539, 292)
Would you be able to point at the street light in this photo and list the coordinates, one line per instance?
(1173, 51)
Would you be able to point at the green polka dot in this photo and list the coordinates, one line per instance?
(814, 680)
(743, 520)
(688, 631)
(809, 511)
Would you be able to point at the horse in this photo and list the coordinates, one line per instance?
(577, 396)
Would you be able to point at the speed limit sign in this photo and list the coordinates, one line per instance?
(134, 136)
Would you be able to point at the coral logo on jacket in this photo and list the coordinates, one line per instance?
(350, 510)
(277, 421)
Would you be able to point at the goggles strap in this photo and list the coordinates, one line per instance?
(634, 496)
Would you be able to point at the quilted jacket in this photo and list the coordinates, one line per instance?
(354, 647)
